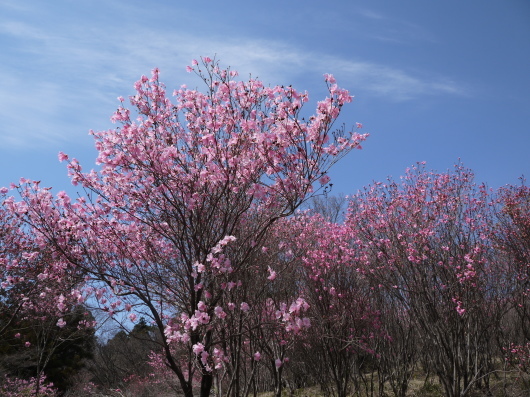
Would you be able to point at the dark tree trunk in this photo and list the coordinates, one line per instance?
(206, 385)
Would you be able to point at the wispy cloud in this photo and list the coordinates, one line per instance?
(397, 85)
(393, 30)
(58, 80)
(371, 14)
(15, 5)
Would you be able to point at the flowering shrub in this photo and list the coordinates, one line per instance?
(16, 387)
(519, 356)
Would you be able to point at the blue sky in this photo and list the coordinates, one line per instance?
(433, 81)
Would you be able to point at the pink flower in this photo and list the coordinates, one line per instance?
(198, 348)
(204, 318)
(61, 323)
(17, 335)
(61, 306)
(204, 358)
(278, 363)
(459, 309)
(132, 317)
(62, 156)
(272, 274)
(219, 312)
(226, 240)
(257, 356)
(245, 307)
(329, 78)
(325, 179)
(27, 344)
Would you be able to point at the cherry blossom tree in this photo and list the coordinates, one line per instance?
(511, 238)
(15, 387)
(39, 321)
(343, 322)
(425, 243)
(260, 339)
(184, 197)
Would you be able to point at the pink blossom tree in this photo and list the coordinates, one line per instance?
(425, 243)
(37, 319)
(260, 333)
(344, 324)
(511, 237)
(186, 193)
(15, 387)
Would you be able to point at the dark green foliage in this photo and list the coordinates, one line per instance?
(33, 345)
(125, 355)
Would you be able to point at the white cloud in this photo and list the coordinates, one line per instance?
(394, 30)
(57, 80)
(370, 14)
(395, 84)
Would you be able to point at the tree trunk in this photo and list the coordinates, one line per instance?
(206, 385)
